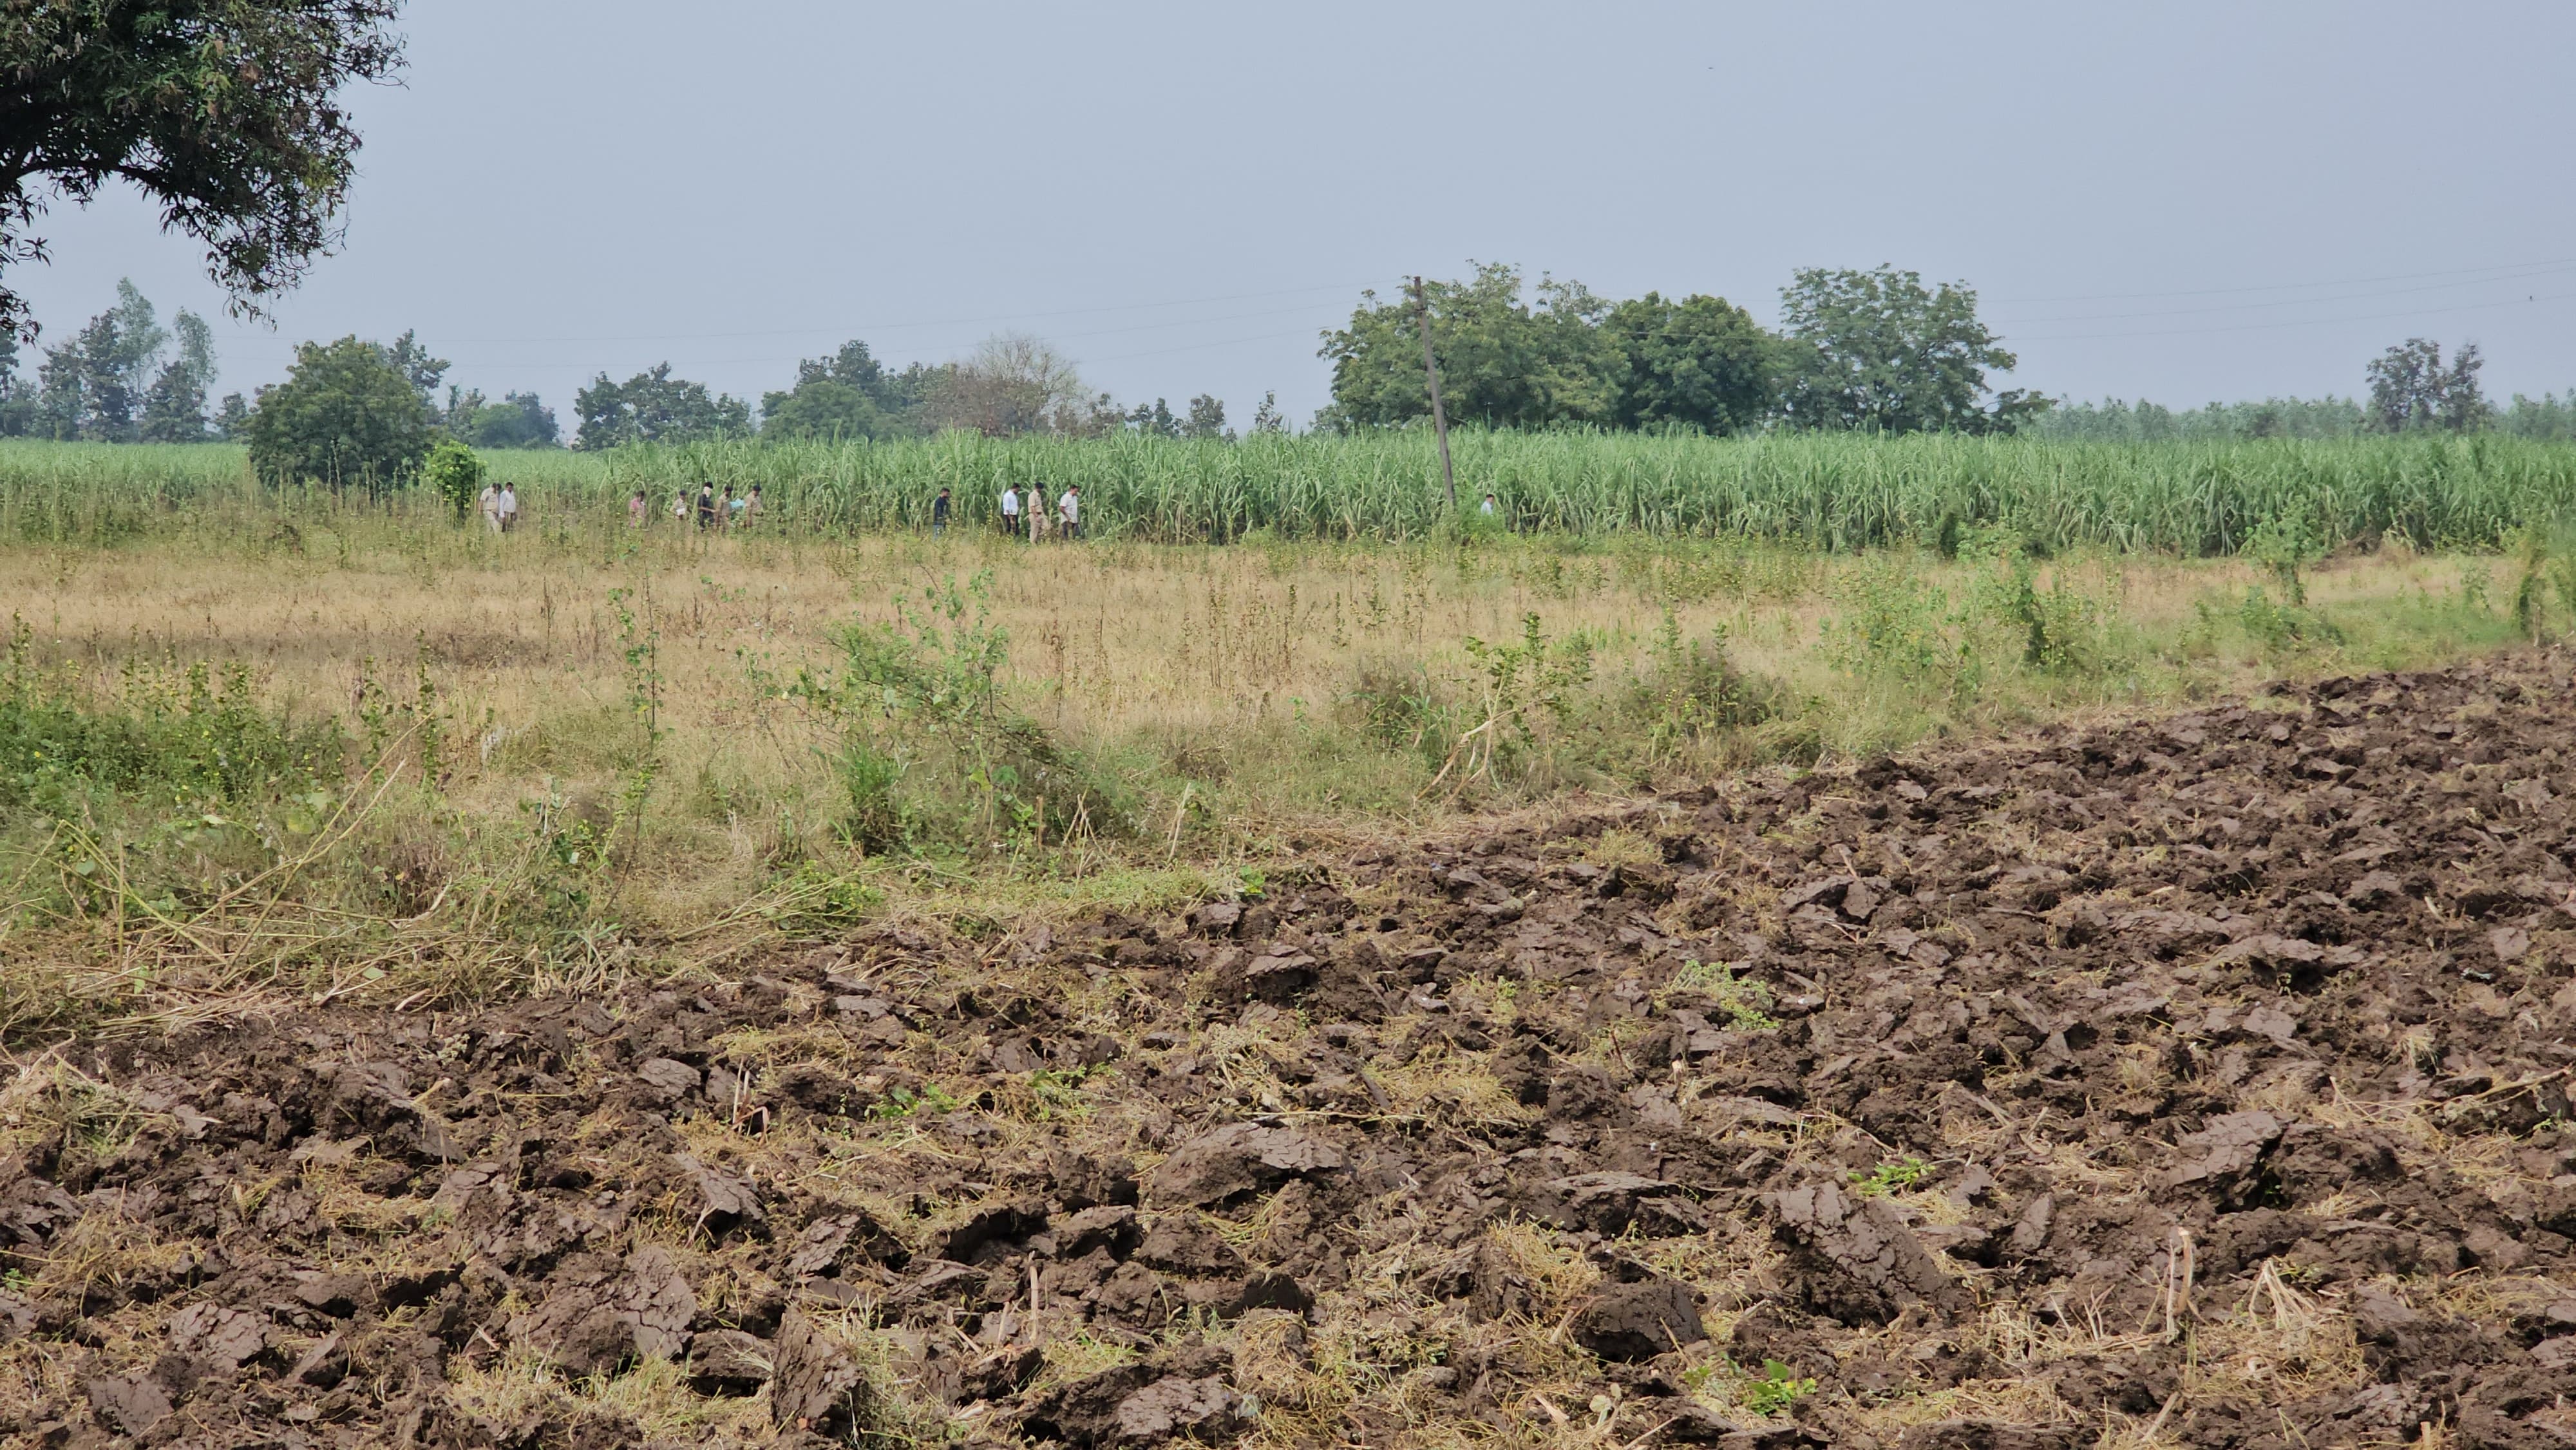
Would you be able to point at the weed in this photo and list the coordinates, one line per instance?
(1892, 623)
(923, 729)
(1746, 1003)
(1890, 1177)
(1058, 1092)
(903, 1102)
(1775, 1391)
(2283, 627)
(2284, 544)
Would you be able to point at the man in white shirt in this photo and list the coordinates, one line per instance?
(1070, 508)
(509, 506)
(1010, 508)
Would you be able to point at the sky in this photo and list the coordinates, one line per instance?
(2183, 202)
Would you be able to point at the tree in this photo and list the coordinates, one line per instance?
(174, 411)
(224, 112)
(1701, 362)
(17, 398)
(1502, 362)
(1207, 419)
(519, 420)
(655, 407)
(1014, 384)
(1267, 418)
(2410, 388)
(93, 386)
(1877, 350)
(1156, 421)
(846, 395)
(421, 370)
(348, 413)
(232, 418)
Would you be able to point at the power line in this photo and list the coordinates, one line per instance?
(2304, 301)
(853, 330)
(695, 362)
(2300, 322)
(2279, 286)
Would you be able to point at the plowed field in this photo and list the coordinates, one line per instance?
(2200, 1080)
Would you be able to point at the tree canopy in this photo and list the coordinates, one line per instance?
(1864, 350)
(224, 112)
(1878, 350)
(349, 413)
(519, 420)
(2411, 387)
(118, 379)
(848, 395)
(1702, 362)
(1503, 362)
(655, 407)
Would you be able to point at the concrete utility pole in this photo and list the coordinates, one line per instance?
(1439, 415)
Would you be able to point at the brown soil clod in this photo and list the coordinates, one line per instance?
(2201, 1081)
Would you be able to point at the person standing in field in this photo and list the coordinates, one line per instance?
(1069, 511)
(509, 506)
(939, 515)
(706, 505)
(1488, 509)
(751, 507)
(1010, 508)
(635, 510)
(680, 505)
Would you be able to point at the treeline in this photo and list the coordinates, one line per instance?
(1012, 385)
(1875, 352)
(2549, 417)
(2412, 390)
(1859, 351)
(123, 378)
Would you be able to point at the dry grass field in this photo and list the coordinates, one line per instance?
(683, 709)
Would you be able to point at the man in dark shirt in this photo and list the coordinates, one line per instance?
(939, 514)
(707, 505)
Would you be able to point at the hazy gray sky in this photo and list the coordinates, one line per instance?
(2185, 202)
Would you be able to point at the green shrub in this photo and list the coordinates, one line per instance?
(929, 752)
(455, 474)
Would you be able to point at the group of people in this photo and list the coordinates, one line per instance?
(500, 505)
(732, 511)
(1024, 509)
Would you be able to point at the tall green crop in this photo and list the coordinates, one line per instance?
(1829, 491)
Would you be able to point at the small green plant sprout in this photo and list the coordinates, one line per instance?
(1892, 1177)
(903, 1102)
(455, 474)
(1746, 1004)
(1775, 1391)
